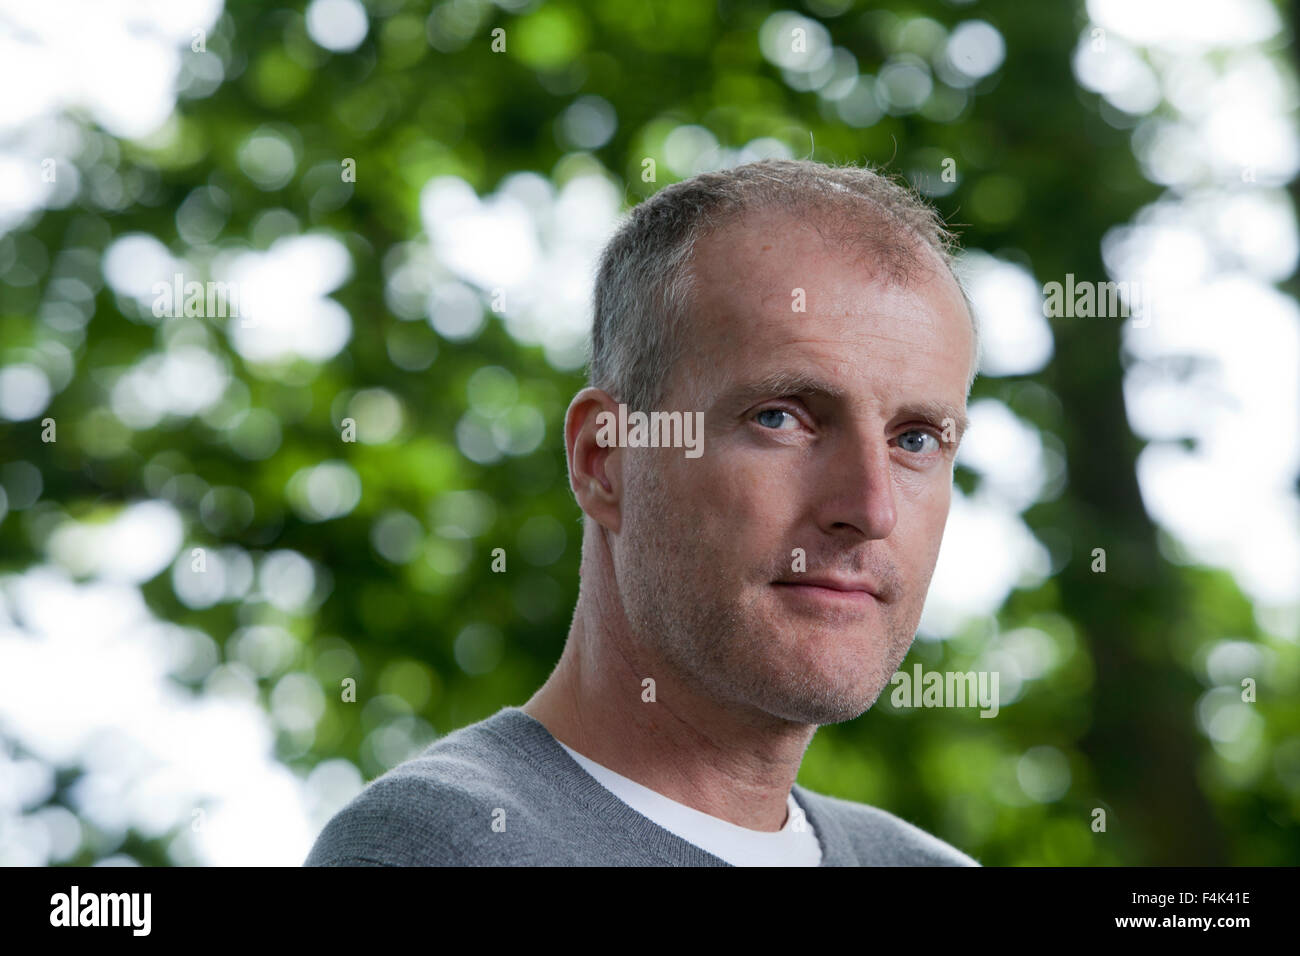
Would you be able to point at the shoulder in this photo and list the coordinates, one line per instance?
(878, 837)
(436, 809)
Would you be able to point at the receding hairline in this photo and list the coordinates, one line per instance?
(647, 276)
(895, 253)
(911, 260)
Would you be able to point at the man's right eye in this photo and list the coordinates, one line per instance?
(769, 417)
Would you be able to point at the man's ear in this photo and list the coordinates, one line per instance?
(595, 461)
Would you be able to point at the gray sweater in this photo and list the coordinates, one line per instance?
(503, 792)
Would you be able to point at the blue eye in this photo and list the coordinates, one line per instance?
(914, 440)
(769, 412)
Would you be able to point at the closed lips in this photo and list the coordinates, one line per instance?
(833, 584)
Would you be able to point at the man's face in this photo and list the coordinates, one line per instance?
(841, 454)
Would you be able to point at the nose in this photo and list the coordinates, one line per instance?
(858, 488)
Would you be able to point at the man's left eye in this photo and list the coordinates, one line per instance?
(915, 440)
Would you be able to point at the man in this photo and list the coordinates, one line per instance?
(735, 597)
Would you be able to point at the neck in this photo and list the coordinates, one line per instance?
(722, 758)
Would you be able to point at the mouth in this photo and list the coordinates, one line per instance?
(828, 593)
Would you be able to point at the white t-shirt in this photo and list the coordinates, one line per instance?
(795, 844)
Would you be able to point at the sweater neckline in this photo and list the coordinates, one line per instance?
(528, 735)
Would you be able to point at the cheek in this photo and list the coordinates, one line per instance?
(715, 484)
(725, 504)
(922, 515)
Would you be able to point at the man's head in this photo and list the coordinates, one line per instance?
(811, 315)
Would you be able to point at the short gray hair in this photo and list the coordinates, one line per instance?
(644, 281)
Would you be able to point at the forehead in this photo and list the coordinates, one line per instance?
(774, 293)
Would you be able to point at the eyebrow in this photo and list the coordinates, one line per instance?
(782, 383)
(804, 385)
(937, 412)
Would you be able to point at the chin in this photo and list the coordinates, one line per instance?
(828, 700)
(819, 712)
